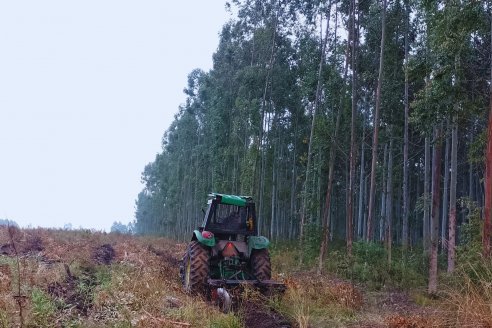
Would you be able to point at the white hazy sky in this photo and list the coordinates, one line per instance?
(87, 89)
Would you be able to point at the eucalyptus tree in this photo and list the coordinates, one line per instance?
(314, 112)
(454, 91)
(375, 140)
(339, 94)
(406, 202)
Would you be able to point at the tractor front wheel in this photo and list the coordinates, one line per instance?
(260, 264)
(194, 267)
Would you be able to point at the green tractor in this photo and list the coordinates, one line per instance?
(226, 251)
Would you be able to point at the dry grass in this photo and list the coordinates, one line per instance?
(313, 300)
(414, 321)
(469, 304)
(65, 286)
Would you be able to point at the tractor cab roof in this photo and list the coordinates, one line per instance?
(230, 215)
(230, 199)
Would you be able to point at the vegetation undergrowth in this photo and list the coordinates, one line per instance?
(335, 298)
(468, 291)
(43, 309)
(368, 264)
(468, 298)
(319, 301)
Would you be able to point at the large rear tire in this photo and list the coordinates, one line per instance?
(194, 268)
(260, 264)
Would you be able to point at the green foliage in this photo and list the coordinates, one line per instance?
(226, 321)
(311, 242)
(4, 319)
(476, 152)
(469, 250)
(408, 269)
(369, 265)
(103, 276)
(43, 309)
(450, 54)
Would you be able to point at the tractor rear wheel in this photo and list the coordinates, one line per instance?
(260, 264)
(194, 267)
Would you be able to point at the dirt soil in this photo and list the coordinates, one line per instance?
(259, 315)
(396, 309)
(103, 254)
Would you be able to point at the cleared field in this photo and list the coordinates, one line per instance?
(56, 278)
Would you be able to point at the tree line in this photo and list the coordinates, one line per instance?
(353, 120)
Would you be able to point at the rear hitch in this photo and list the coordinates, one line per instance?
(222, 298)
(226, 299)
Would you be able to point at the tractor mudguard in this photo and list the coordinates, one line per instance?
(202, 240)
(257, 242)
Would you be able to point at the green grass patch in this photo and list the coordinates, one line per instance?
(43, 309)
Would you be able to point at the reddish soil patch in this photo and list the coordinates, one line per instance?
(74, 292)
(7, 249)
(399, 302)
(33, 244)
(103, 254)
(367, 325)
(257, 315)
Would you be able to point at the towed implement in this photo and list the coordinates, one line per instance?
(226, 252)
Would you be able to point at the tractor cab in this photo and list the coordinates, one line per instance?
(230, 217)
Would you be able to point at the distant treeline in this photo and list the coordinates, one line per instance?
(7, 222)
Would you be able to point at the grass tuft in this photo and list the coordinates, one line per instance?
(468, 301)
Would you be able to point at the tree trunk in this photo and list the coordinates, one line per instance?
(487, 222)
(360, 216)
(293, 182)
(382, 216)
(470, 170)
(389, 201)
(327, 222)
(262, 129)
(311, 137)
(329, 188)
(273, 194)
(350, 205)
(377, 110)
(364, 225)
(404, 237)
(445, 197)
(436, 190)
(452, 198)
(425, 225)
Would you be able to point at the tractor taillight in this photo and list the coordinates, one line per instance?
(207, 235)
(229, 250)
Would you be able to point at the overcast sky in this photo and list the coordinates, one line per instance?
(87, 89)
